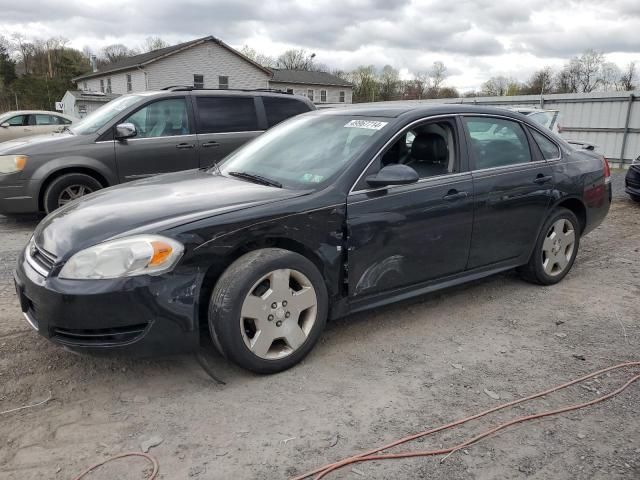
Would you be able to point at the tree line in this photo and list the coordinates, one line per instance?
(35, 73)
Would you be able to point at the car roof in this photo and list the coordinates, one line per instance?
(397, 109)
(31, 112)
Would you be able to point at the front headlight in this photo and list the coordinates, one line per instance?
(12, 163)
(125, 257)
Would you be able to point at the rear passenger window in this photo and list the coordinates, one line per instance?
(549, 149)
(496, 142)
(46, 120)
(226, 114)
(279, 109)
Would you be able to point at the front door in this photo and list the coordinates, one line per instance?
(405, 235)
(512, 186)
(164, 141)
(224, 124)
(16, 127)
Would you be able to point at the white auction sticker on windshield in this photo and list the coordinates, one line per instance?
(368, 124)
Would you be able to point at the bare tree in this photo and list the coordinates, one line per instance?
(115, 52)
(389, 82)
(540, 82)
(496, 86)
(296, 59)
(628, 77)
(365, 84)
(591, 63)
(438, 74)
(153, 43)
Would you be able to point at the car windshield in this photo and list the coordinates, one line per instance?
(306, 151)
(96, 120)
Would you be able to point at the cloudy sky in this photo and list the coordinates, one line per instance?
(475, 39)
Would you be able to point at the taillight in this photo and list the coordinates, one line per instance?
(607, 170)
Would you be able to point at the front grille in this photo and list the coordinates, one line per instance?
(41, 260)
(99, 336)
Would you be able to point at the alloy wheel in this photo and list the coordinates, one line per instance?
(278, 314)
(72, 192)
(558, 246)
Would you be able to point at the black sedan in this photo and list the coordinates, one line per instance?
(329, 213)
(632, 180)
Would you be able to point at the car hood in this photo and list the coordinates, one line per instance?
(23, 145)
(148, 205)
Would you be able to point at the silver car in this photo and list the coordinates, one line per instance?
(24, 123)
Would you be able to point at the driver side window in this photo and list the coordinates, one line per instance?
(164, 118)
(429, 148)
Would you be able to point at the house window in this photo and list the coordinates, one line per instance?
(129, 86)
(109, 85)
(223, 82)
(323, 95)
(198, 81)
(310, 94)
(290, 90)
(342, 97)
(102, 86)
(84, 86)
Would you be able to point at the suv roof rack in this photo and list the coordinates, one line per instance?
(188, 88)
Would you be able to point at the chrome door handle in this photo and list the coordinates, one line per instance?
(455, 195)
(183, 146)
(210, 144)
(540, 179)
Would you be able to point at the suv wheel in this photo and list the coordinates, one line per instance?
(68, 187)
(555, 250)
(268, 310)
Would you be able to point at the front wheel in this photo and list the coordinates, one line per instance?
(67, 188)
(555, 250)
(268, 310)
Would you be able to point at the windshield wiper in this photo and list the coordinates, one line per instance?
(256, 179)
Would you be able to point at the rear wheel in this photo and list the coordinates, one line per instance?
(268, 310)
(68, 187)
(555, 250)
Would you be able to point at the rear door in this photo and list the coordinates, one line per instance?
(223, 124)
(280, 108)
(513, 187)
(165, 141)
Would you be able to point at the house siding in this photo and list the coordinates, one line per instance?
(333, 92)
(210, 60)
(118, 82)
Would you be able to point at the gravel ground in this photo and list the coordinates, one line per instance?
(374, 377)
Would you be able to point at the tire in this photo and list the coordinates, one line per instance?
(554, 254)
(264, 294)
(61, 189)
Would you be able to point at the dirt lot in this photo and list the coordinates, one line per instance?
(374, 377)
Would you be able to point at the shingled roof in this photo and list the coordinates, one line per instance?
(135, 61)
(308, 78)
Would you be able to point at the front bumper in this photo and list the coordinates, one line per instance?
(18, 197)
(140, 316)
(632, 181)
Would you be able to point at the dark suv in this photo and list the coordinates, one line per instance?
(136, 136)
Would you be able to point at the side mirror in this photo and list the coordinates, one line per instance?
(125, 130)
(396, 174)
(5, 125)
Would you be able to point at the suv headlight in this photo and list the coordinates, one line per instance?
(12, 163)
(124, 257)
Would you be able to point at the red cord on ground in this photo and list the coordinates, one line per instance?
(371, 454)
(154, 462)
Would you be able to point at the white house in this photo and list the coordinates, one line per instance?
(320, 87)
(208, 63)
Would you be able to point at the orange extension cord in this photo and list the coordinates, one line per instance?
(151, 459)
(371, 454)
